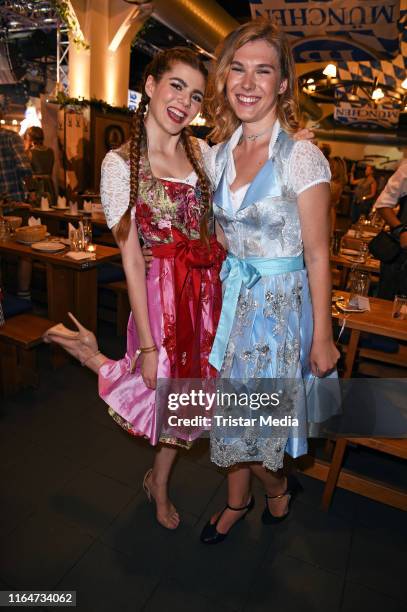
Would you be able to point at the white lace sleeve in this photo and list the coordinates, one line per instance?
(114, 187)
(307, 167)
(208, 157)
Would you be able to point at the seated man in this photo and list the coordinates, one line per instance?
(393, 276)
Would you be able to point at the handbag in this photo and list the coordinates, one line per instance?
(384, 247)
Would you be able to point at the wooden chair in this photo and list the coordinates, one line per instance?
(374, 489)
(19, 338)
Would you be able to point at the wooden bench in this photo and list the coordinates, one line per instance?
(122, 304)
(19, 338)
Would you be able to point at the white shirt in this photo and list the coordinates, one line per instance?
(396, 188)
(238, 195)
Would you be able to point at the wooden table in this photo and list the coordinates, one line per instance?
(377, 321)
(354, 242)
(71, 285)
(363, 227)
(346, 264)
(52, 218)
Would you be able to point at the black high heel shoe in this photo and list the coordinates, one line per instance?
(293, 489)
(210, 535)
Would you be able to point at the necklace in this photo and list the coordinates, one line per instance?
(254, 137)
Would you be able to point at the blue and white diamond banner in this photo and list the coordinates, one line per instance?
(387, 72)
(336, 30)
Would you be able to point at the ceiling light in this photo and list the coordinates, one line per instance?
(310, 80)
(377, 94)
(14, 122)
(404, 84)
(330, 71)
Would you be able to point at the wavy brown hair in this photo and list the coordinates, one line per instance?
(217, 107)
(162, 63)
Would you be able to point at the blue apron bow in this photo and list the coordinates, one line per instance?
(236, 272)
(235, 267)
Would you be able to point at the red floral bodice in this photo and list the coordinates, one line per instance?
(162, 205)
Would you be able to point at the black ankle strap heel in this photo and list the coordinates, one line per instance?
(210, 535)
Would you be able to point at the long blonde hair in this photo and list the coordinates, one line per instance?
(217, 107)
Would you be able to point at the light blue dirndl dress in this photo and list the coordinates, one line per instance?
(266, 325)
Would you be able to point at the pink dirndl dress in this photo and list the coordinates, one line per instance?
(168, 218)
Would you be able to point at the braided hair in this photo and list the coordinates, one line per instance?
(161, 64)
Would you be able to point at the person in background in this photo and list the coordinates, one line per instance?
(393, 276)
(365, 192)
(15, 172)
(337, 184)
(325, 149)
(42, 160)
(14, 165)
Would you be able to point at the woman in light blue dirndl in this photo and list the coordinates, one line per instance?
(272, 205)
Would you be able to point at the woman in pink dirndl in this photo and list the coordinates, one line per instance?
(175, 309)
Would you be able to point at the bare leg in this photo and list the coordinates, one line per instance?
(275, 483)
(157, 482)
(238, 497)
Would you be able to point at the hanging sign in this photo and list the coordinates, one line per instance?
(366, 116)
(362, 29)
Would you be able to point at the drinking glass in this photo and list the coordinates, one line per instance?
(363, 252)
(87, 231)
(359, 286)
(336, 241)
(76, 240)
(400, 307)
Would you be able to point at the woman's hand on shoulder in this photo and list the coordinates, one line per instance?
(149, 367)
(323, 357)
(304, 134)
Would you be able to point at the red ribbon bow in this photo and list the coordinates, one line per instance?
(191, 257)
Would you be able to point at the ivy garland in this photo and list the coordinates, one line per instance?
(77, 104)
(64, 10)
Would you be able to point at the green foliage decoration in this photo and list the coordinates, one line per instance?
(64, 10)
(78, 104)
